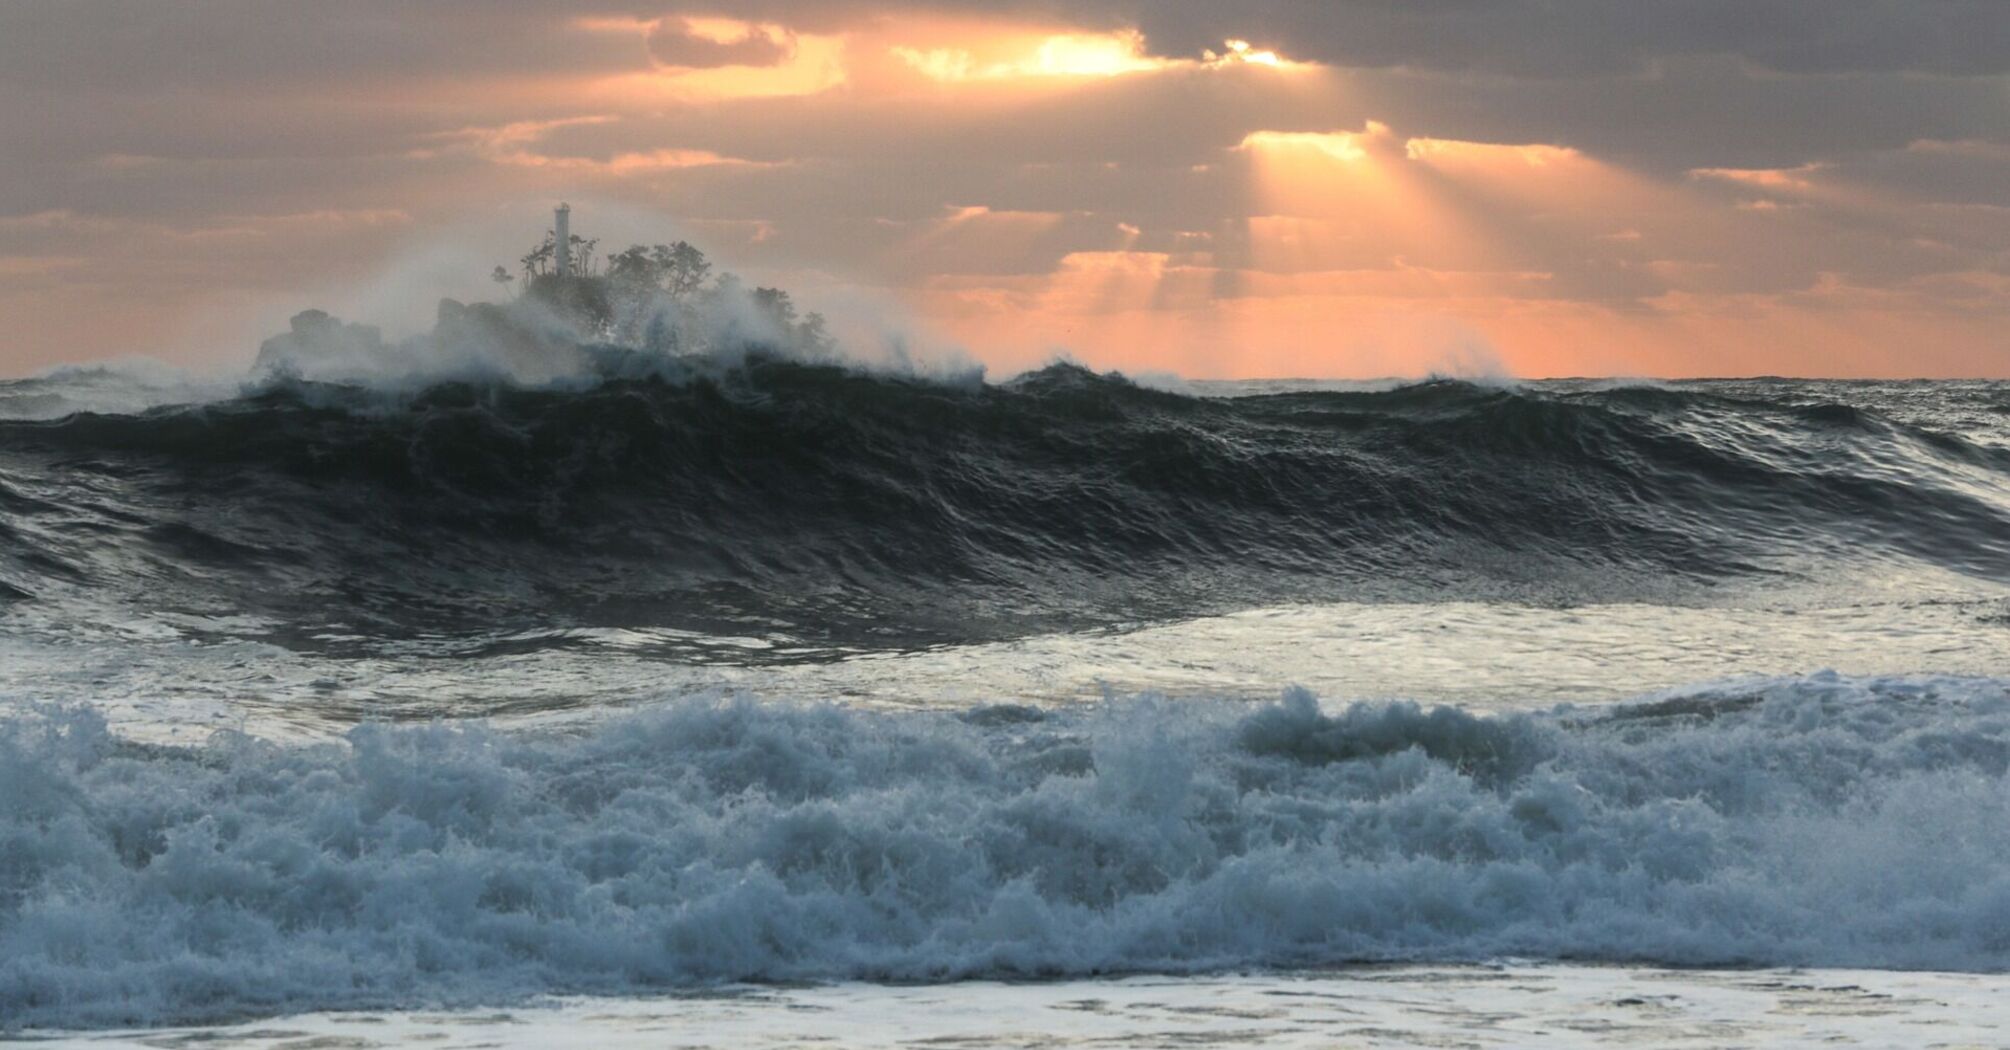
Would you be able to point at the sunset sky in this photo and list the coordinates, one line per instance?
(1264, 188)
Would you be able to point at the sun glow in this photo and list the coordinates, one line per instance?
(1090, 56)
(1079, 55)
(1345, 146)
(1242, 51)
(1057, 55)
(1455, 151)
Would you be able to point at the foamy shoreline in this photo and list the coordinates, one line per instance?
(1552, 1006)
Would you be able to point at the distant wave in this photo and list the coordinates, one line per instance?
(1813, 821)
(867, 509)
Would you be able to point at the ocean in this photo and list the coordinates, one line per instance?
(748, 701)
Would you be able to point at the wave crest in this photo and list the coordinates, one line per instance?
(858, 509)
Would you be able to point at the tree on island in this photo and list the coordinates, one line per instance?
(582, 249)
(812, 332)
(663, 299)
(678, 269)
(647, 295)
(537, 260)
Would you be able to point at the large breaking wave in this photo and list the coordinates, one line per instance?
(848, 509)
(1820, 820)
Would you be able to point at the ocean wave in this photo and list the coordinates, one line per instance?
(850, 508)
(1808, 821)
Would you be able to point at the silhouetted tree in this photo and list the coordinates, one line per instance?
(814, 334)
(725, 287)
(684, 268)
(625, 298)
(777, 305)
(584, 300)
(537, 262)
(679, 269)
(633, 268)
(582, 254)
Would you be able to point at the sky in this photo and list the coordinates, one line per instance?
(1318, 188)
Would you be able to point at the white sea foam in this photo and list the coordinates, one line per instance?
(122, 387)
(1821, 820)
(1551, 1006)
(166, 678)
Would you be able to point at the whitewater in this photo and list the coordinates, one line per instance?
(1822, 820)
(685, 700)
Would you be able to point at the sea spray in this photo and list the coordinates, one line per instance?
(1804, 821)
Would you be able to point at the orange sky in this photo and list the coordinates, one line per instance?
(973, 176)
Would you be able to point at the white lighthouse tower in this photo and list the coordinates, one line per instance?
(562, 257)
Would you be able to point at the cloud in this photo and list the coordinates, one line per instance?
(1523, 38)
(682, 43)
(1579, 38)
(1778, 180)
(1619, 179)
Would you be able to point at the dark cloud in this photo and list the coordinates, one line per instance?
(144, 45)
(1567, 38)
(103, 43)
(672, 43)
(1528, 38)
(1697, 112)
